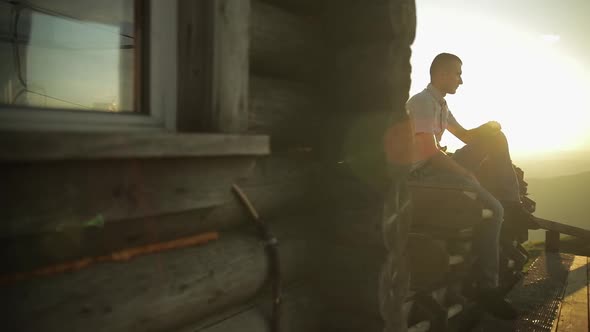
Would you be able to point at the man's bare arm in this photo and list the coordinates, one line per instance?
(467, 135)
(427, 143)
(461, 133)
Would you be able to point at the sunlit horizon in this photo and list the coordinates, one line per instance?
(513, 73)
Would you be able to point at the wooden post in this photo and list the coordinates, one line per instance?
(231, 26)
(213, 70)
(552, 241)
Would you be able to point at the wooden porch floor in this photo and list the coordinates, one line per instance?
(553, 296)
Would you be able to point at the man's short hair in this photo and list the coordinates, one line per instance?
(443, 60)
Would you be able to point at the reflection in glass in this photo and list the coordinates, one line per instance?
(68, 54)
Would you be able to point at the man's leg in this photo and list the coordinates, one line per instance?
(489, 158)
(486, 241)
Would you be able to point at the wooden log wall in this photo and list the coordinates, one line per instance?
(62, 211)
(369, 86)
(286, 64)
(318, 96)
(155, 292)
(70, 210)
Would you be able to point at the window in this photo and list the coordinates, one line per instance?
(117, 65)
(81, 55)
(99, 79)
(75, 64)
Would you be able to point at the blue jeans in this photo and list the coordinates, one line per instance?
(489, 159)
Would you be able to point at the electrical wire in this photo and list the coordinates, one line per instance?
(26, 4)
(21, 92)
(15, 49)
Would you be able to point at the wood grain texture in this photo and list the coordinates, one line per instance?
(552, 241)
(213, 60)
(277, 186)
(308, 7)
(160, 292)
(54, 146)
(285, 110)
(48, 197)
(563, 228)
(283, 43)
(373, 77)
(361, 21)
(194, 67)
(300, 312)
(231, 36)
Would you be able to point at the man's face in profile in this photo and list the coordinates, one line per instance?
(453, 77)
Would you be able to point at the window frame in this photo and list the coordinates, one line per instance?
(156, 83)
(197, 95)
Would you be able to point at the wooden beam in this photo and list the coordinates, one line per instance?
(300, 312)
(159, 292)
(552, 241)
(284, 110)
(283, 44)
(373, 77)
(563, 228)
(213, 59)
(362, 22)
(231, 42)
(52, 197)
(277, 186)
(56, 146)
(309, 7)
(194, 66)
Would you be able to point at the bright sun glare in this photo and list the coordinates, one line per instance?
(514, 76)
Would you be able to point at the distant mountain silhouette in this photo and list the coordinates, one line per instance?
(555, 165)
(564, 199)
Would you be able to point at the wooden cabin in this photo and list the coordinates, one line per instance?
(118, 212)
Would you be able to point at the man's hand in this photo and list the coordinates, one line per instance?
(487, 129)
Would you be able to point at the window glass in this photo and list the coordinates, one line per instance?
(69, 54)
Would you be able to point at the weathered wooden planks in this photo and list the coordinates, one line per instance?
(288, 111)
(563, 228)
(277, 186)
(151, 293)
(46, 197)
(213, 64)
(60, 146)
(373, 77)
(231, 65)
(195, 66)
(300, 312)
(309, 7)
(283, 44)
(371, 21)
(367, 87)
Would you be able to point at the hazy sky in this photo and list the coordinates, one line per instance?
(526, 64)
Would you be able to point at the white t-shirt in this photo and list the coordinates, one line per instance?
(429, 112)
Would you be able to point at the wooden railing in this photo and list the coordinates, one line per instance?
(554, 229)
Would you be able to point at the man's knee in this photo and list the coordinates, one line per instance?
(499, 139)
